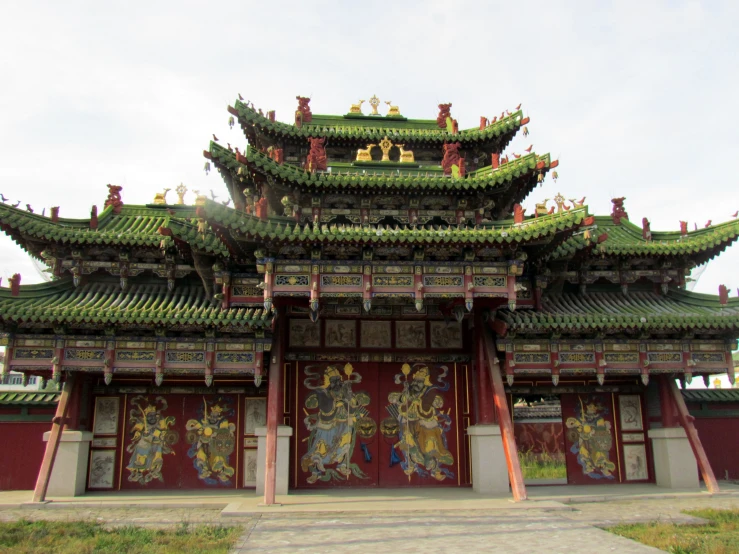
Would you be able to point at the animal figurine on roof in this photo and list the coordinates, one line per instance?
(356, 108)
(444, 115)
(618, 213)
(394, 110)
(303, 113)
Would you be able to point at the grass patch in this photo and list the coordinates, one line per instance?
(720, 536)
(87, 537)
(542, 466)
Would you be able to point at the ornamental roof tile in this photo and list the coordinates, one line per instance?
(363, 128)
(626, 240)
(12, 398)
(483, 178)
(594, 311)
(286, 229)
(133, 226)
(711, 395)
(103, 302)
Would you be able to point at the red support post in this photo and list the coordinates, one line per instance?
(686, 420)
(665, 401)
(505, 420)
(486, 410)
(52, 446)
(273, 410)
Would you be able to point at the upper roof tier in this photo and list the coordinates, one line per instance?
(510, 182)
(360, 128)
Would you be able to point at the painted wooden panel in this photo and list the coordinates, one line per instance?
(376, 424)
(591, 448)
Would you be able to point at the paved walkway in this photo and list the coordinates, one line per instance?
(563, 519)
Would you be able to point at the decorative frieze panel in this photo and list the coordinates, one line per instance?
(392, 281)
(76, 354)
(531, 358)
(577, 357)
(140, 345)
(135, 356)
(621, 357)
(292, 280)
(497, 282)
(664, 357)
(341, 280)
(235, 357)
(33, 353)
(443, 281)
(246, 290)
(185, 357)
(709, 357)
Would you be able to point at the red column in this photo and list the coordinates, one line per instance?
(274, 409)
(665, 402)
(486, 409)
(515, 474)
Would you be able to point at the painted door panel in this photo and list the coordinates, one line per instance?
(591, 447)
(364, 425)
(180, 442)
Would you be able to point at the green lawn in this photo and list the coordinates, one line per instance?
(542, 466)
(85, 537)
(720, 536)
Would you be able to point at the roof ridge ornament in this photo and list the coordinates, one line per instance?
(374, 102)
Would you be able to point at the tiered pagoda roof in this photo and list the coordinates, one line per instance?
(317, 219)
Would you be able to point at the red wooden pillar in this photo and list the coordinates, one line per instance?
(486, 410)
(52, 446)
(505, 420)
(686, 420)
(274, 409)
(665, 401)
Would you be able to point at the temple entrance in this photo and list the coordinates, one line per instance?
(378, 425)
(582, 439)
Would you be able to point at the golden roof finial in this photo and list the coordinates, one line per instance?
(374, 102)
(385, 145)
(181, 190)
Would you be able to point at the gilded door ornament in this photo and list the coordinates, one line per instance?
(590, 435)
(337, 414)
(151, 439)
(212, 438)
(419, 423)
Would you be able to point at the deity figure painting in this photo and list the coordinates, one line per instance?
(418, 421)
(151, 439)
(590, 435)
(340, 413)
(212, 438)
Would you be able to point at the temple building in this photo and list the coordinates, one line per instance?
(371, 307)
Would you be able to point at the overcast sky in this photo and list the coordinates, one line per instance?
(636, 99)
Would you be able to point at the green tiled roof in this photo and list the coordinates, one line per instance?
(133, 226)
(206, 242)
(711, 395)
(638, 310)
(626, 240)
(285, 229)
(376, 128)
(103, 302)
(484, 178)
(11, 398)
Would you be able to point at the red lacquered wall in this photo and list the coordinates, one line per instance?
(24, 451)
